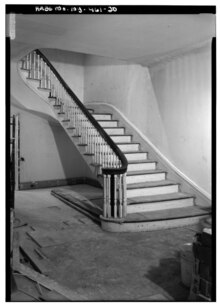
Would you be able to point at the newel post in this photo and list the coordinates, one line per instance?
(115, 199)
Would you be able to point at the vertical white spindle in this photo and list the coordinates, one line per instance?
(45, 75)
(105, 197)
(49, 78)
(34, 66)
(86, 135)
(38, 66)
(41, 72)
(89, 139)
(82, 126)
(104, 153)
(27, 61)
(30, 66)
(77, 120)
(115, 196)
(100, 152)
(109, 195)
(30, 70)
(95, 145)
(120, 195)
(124, 195)
(58, 92)
(73, 117)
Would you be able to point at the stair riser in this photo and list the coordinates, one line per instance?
(152, 191)
(24, 73)
(150, 226)
(129, 147)
(57, 110)
(108, 123)
(142, 166)
(145, 178)
(60, 116)
(138, 208)
(118, 131)
(102, 116)
(121, 139)
(72, 133)
(136, 156)
(65, 123)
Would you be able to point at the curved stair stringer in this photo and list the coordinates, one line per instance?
(22, 95)
(202, 198)
(44, 106)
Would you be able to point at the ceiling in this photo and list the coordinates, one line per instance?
(138, 38)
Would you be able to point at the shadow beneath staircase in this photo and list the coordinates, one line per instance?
(72, 162)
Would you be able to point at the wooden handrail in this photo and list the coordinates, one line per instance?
(105, 136)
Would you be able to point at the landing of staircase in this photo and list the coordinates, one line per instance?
(89, 201)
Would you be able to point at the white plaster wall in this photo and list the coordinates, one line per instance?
(125, 85)
(70, 66)
(170, 104)
(48, 152)
(183, 91)
(128, 87)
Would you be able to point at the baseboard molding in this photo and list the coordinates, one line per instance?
(158, 152)
(59, 182)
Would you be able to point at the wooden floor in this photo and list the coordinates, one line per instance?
(96, 265)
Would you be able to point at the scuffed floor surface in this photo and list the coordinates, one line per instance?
(98, 265)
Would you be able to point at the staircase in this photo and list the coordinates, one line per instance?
(137, 194)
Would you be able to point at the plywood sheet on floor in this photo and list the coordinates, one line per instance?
(51, 238)
(94, 204)
(86, 191)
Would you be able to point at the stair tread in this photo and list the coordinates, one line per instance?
(142, 172)
(114, 127)
(151, 184)
(33, 79)
(120, 135)
(140, 161)
(101, 114)
(107, 120)
(168, 214)
(44, 88)
(25, 69)
(128, 143)
(132, 152)
(159, 198)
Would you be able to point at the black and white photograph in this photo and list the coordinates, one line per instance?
(110, 153)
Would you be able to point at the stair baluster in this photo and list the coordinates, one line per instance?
(49, 78)
(115, 196)
(120, 195)
(105, 197)
(124, 203)
(30, 66)
(38, 66)
(34, 65)
(108, 206)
